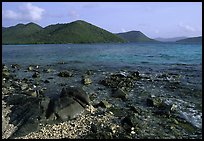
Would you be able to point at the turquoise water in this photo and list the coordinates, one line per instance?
(115, 55)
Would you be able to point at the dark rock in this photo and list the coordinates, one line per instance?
(131, 120)
(62, 62)
(24, 113)
(65, 74)
(29, 111)
(93, 128)
(89, 72)
(24, 86)
(135, 109)
(65, 109)
(120, 80)
(47, 70)
(46, 81)
(119, 93)
(36, 74)
(15, 66)
(153, 102)
(103, 104)
(118, 112)
(77, 93)
(6, 74)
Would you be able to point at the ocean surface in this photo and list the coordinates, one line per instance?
(163, 62)
(109, 55)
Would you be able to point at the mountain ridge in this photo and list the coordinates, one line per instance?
(191, 40)
(75, 32)
(135, 36)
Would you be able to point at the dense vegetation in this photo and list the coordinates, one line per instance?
(74, 32)
(135, 36)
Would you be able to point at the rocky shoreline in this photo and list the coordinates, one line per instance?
(48, 104)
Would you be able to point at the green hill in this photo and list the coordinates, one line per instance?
(135, 36)
(20, 34)
(191, 40)
(74, 32)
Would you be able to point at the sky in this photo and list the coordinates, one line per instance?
(154, 19)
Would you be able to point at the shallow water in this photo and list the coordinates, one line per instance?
(175, 70)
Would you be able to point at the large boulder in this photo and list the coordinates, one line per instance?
(69, 105)
(28, 112)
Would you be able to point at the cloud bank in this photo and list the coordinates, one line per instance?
(186, 27)
(27, 12)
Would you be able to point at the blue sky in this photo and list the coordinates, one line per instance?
(154, 19)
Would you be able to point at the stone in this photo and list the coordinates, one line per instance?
(93, 128)
(153, 102)
(119, 80)
(24, 86)
(24, 113)
(89, 72)
(76, 92)
(36, 74)
(47, 70)
(130, 121)
(30, 68)
(119, 93)
(15, 66)
(46, 81)
(104, 104)
(86, 80)
(65, 74)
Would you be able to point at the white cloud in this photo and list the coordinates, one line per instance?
(27, 12)
(73, 14)
(186, 27)
(9, 14)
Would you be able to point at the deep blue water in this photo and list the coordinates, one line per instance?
(111, 55)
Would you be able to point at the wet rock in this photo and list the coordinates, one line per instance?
(103, 104)
(135, 109)
(118, 112)
(46, 81)
(65, 74)
(24, 113)
(62, 62)
(135, 75)
(120, 80)
(76, 92)
(162, 107)
(7, 128)
(47, 70)
(24, 86)
(36, 74)
(119, 93)
(32, 93)
(153, 102)
(30, 68)
(130, 121)
(6, 74)
(15, 66)
(89, 72)
(86, 80)
(93, 128)
(69, 105)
